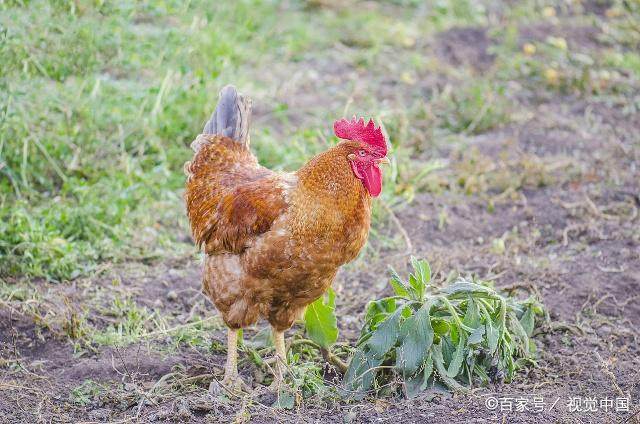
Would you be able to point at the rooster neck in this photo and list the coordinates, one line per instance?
(328, 176)
(329, 203)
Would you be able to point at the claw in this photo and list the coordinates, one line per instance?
(235, 386)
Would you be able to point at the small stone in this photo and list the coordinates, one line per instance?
(172, 295)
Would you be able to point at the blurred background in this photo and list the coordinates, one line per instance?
(99, 100)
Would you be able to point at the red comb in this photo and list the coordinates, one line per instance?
(356, 130)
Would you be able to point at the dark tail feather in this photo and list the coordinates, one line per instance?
(231, 117)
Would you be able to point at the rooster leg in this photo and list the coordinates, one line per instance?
(281, 359)
(231, 380)
(231, 367)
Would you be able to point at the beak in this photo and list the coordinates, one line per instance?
(383, 161)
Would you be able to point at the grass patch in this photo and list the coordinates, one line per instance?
(86, 393)
(474, 108)
(101, 101)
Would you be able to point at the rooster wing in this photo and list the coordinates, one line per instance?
(230, 198)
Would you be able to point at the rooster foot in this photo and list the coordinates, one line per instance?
(229, 385)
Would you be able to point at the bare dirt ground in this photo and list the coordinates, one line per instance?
(566, 227)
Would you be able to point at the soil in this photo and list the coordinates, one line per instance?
(465, 46)
(573, 237)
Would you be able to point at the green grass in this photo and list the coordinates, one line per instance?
(85, 393)
(100, 101)
(99, 104)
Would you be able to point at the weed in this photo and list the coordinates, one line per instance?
(472, 108)
(130, 323)
(86, 393)
(462, 334)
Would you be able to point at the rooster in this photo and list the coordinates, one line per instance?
(273, 241)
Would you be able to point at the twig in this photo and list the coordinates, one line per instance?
(612, 270)
(334, 360)
(608, 373)
(629, 300)
(327, 355)
(20, 387)
(572, 328)
(595, 209)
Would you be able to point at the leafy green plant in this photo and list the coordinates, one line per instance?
(320, 320)
(321, 326)
(461, 335)
(304, 381)
(85, 393)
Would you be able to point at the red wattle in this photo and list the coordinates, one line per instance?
(372, 180)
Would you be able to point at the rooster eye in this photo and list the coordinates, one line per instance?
(361, 153)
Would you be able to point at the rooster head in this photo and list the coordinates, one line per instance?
(368, 154)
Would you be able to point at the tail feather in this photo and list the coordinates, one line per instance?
(232, 116)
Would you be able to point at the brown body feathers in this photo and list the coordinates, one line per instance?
(273, 241)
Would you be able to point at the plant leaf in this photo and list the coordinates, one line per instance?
(399, 288)
(386, 335)
(320, 321)
(422, 270)
(492, 336)
(416, 287)
(438, 362)
(456, 360)
(361, 371)
(417, 341)
(472, 316)
(428, 369)
(440, 326)
(528, 320)
(467, 287)
(516, 327)
(285, 400)
(418, 382)
(376, 308)
(477, 336)
(420, 278)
